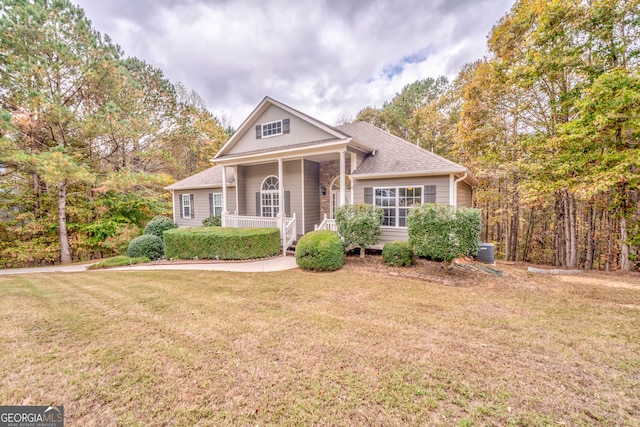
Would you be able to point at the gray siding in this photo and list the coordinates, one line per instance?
(390, 234)
(465, 195)
(312, 195)
(200, 205)
(293, 184)
(301, 132)
(252, 178)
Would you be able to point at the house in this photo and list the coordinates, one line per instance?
(285, 169)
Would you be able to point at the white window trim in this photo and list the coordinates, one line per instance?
(273, 207)
(187, 198)
(273, 134)
(214, 206)
(397, 205)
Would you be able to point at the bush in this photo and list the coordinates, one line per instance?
(212, 221)
(398, 254)
(147, 245)
(442, 232)
(221, 243)
(320, 251)
(158, 225)
(117, 261)
(359, 225)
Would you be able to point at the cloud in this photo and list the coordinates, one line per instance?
(326, 58)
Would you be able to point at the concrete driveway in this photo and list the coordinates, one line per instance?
(280, 263)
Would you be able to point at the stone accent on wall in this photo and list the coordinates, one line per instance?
(328, 172)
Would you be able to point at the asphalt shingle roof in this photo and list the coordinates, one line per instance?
(211, 177)
(393, 154)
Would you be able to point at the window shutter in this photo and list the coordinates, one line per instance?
(258, 131)
(210, 204)
(287, 203)
(179, 204)
(368, 195)
(258, 213)
(286, 127)
(193, 210)
(429, 194)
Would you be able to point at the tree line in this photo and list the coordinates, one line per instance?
(549, 122)
(88, 137)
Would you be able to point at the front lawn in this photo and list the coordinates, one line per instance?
(358, 346)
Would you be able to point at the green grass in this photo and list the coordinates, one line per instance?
(117, 261)
(301, 348)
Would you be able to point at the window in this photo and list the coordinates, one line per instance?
(272, 129)
(278, 127)
(269, 197)
(396, 203)
(215, 204)
(187, 206)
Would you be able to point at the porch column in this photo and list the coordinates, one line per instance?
(224, 195)
(343, 179)
(280, 188)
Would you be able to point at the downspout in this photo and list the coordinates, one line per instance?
(455, 188)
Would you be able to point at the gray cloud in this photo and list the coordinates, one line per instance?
(326, 58)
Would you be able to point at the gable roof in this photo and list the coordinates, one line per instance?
(248, 124)
(395, 155)
(208, 178)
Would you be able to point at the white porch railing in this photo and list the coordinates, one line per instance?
(287, 226)
(327, 224)
(288, 232)
(238, 221)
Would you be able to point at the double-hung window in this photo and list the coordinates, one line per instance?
(187, 206)
(215, 207)
(396, 203)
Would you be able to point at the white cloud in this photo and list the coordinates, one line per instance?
(325, 58)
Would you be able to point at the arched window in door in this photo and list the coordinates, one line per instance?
(270, 196)
(335, 193)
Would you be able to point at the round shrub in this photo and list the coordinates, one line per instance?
(158, 224)
(398, 254)
(320, 251)
(212, 221)
(147, 245)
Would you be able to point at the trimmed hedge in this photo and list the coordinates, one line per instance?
(442, 232)
(147, 246)
(320, 251)
(398, 254)
(158, 224)
(221, 243)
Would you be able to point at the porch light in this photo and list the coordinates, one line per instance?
(323, 190)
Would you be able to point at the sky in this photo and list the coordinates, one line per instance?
(326, 58)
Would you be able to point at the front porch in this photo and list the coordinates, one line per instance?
(287, 226)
